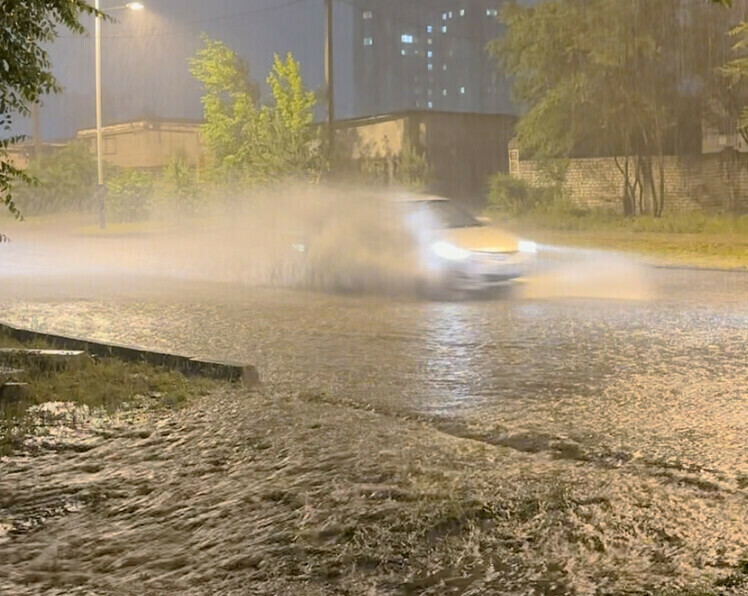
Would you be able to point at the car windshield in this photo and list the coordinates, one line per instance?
(443, 213)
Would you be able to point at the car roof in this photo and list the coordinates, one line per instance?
(411, 197)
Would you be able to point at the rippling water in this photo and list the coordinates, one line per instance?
(664, 379)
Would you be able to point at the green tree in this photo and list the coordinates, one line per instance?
(66, 180)
(26, 27)
(622, 78)
(249, 141)
(230, 103)
(735, 71)
(178, 186)
(292, 141)
(129, 194)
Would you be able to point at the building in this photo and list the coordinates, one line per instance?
(147, 144)
(462, 150)
(427, 55)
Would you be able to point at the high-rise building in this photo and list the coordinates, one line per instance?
(429, 55)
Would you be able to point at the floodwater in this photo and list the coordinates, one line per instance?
(663, 375)
(639, 373)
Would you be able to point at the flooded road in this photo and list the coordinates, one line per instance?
(606, 412)
(663, 379)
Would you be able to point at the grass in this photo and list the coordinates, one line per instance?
(103, 384)
(694, 239)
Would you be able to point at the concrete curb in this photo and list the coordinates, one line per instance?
(232, 371)
(686, 267)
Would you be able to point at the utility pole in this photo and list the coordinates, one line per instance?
(330, 86)
(100, 190)
(35, 112)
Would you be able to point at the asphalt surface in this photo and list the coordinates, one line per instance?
(618, 357)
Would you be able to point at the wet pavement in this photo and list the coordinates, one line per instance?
(606, 405)
(663, 379)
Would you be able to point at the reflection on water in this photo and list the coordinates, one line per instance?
(665, 378)
(642, 402)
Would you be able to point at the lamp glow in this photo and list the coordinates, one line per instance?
(528, 246)
(448, 251)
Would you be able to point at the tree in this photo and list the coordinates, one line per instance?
(249, 141)
(25, 27)
(627, 79)
(293, 142)
(65, 180)
(736, 73)
(230, 102)
(178, 186)
(129, 195)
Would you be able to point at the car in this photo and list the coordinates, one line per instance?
(460, 252)
(433, 240)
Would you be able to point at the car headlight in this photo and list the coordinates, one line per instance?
(448, 251)
(528, 247)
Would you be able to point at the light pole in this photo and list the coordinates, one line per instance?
(97, 59)
(329, 79)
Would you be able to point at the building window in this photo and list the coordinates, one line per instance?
(462, 12)
(428, 41)
(367, 15)
(444, 67)
(429, 54)
(491, 12)
(430, 105)
(405, 38)
(449, 14)
(444, 92)
(444, 16)
(444, 28)
(368, 41)
(430, 66)
(462, 90)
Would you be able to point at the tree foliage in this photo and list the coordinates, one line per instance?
(735, 71)
(623, 78)
(249, 141)
(413, 169)
(65, 181)
(178, 187)
(129, 194)
(26, 26)
(510, 195)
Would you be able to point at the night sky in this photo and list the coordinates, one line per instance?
(145, 57)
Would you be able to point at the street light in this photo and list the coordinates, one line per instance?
(99, 150)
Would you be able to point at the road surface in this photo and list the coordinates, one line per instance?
(620, 358)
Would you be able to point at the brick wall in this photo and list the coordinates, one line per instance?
(710, 182)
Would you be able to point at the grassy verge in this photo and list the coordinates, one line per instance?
(689, 239)
(104, 385)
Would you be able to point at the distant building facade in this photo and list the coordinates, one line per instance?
(462, 150)
(411, 55)
(147, 144)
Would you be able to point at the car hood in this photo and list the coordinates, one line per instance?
(482, 239)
